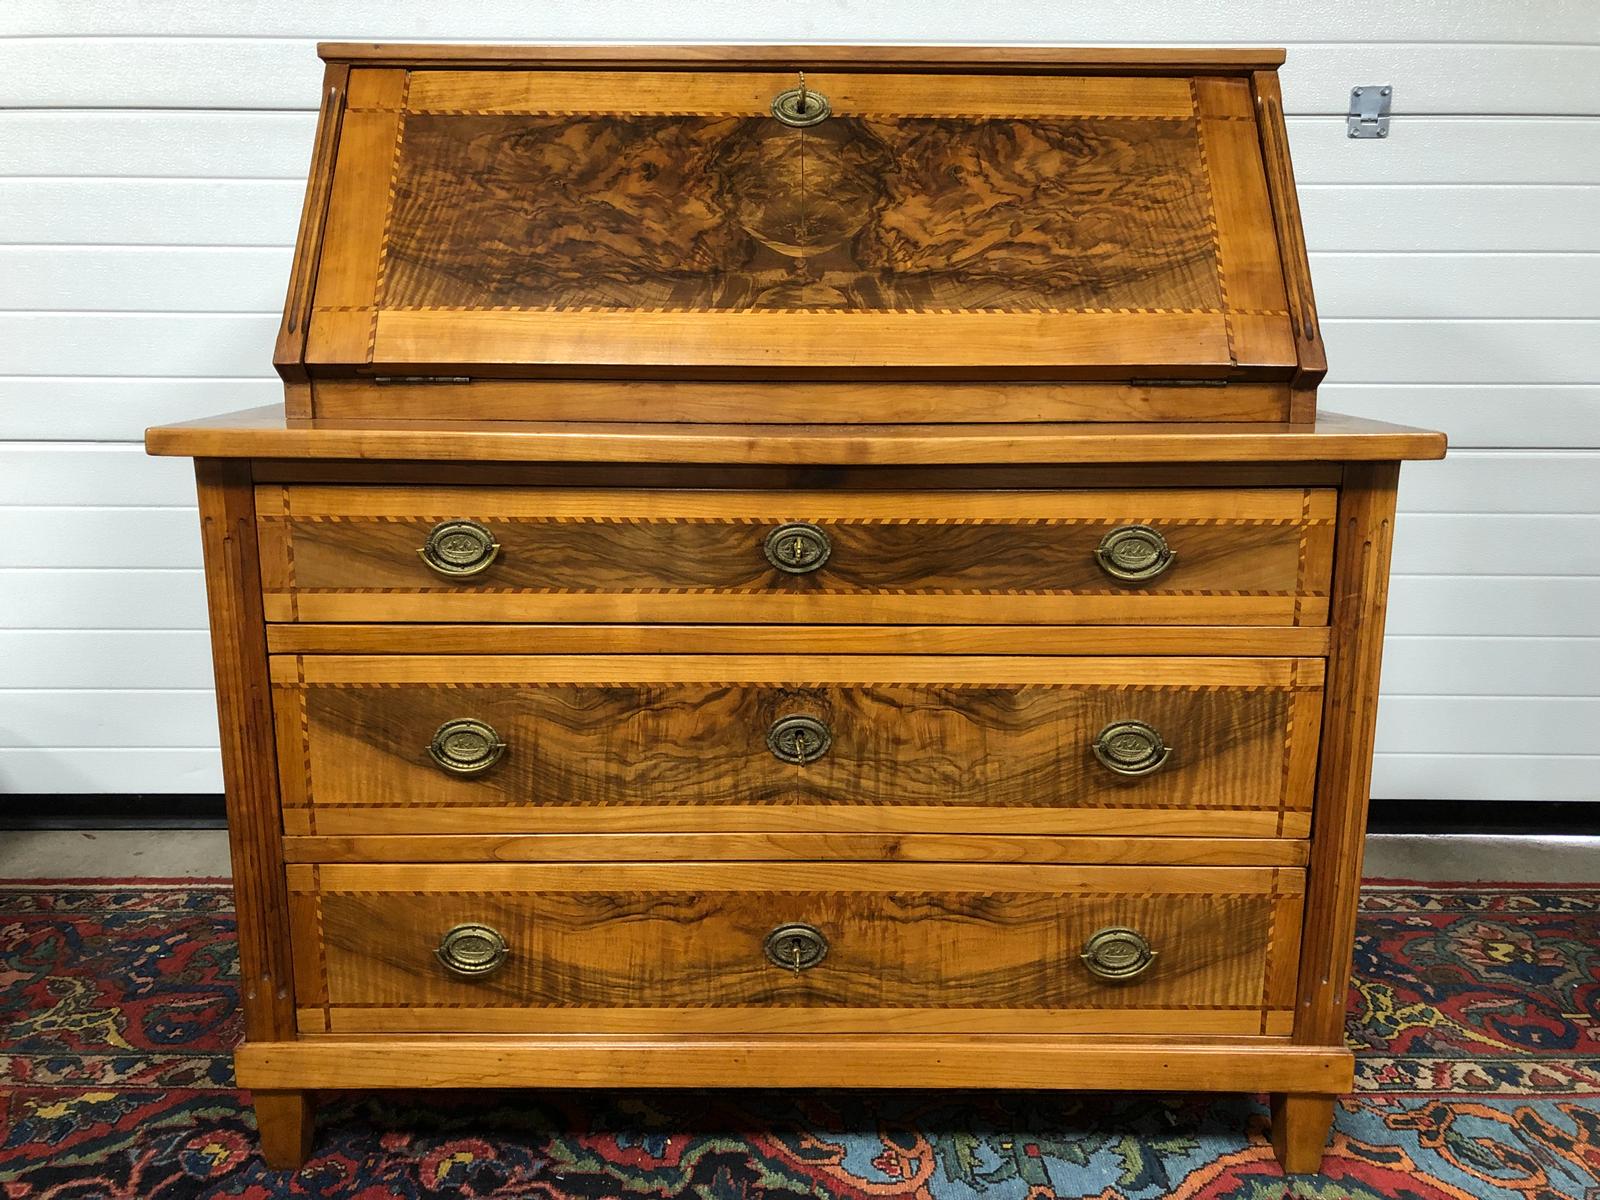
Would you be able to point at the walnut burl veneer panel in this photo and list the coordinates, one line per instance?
(941, 739)
(1243, 556)
(702, 212)
(939, 947)
(516, 223)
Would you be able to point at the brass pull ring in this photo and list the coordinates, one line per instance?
(473, 950)
(798, 740)
(796, 947)
(800, 107)
(459, 549)
(1117, 953)
(466, 746)
(797, 548)
(1131, 748)
(1134, 553)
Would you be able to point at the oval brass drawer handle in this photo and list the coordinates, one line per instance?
(1134, 553)
(1131, 748)
(473, 950)
(459, 549)
(466, 746)
(798, 740)
(797, 548)
(1117, 953)
(796, 947)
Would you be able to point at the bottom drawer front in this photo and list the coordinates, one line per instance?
(704, 947)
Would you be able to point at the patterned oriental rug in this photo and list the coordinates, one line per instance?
(1476, 1014)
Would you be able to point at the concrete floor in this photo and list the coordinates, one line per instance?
(191, 854)
(114, 853)
(1464, 858)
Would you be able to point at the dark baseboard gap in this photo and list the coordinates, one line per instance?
(186, 811)
(1521, 818)
(112, 811)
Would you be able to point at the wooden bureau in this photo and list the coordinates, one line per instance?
(797, 567)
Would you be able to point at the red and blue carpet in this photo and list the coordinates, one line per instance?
(1476, 1013)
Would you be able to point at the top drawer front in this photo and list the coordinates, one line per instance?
(1221, 556)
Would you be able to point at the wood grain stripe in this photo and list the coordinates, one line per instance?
(1039, 344)
(645, 93)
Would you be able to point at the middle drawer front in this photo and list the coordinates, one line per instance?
(725, 743)
(1198, 556)
(701, 948)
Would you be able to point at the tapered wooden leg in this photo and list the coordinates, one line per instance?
(1300, 1129)
(284, 1122)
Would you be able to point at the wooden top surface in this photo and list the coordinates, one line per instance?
(268, 433)
(857, 58)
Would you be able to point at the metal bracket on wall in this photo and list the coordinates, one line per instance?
(1369, 111)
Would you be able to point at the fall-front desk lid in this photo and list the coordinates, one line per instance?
(800, 212)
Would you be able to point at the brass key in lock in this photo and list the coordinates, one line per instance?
(799, 106)
(796, 947)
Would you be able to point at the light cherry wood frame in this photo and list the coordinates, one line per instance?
(1305, 1066)
(1193, 404)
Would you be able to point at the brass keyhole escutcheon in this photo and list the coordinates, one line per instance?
(466, 746)
(798, 739)
(1117, 953)
(473, 950)
(800, 106)
(1134, 553)
(459, 549)
(797, 548)
(1131, 748)
(796, 947)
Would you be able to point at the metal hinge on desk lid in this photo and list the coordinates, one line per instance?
(421, 379)
(1369, 111)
